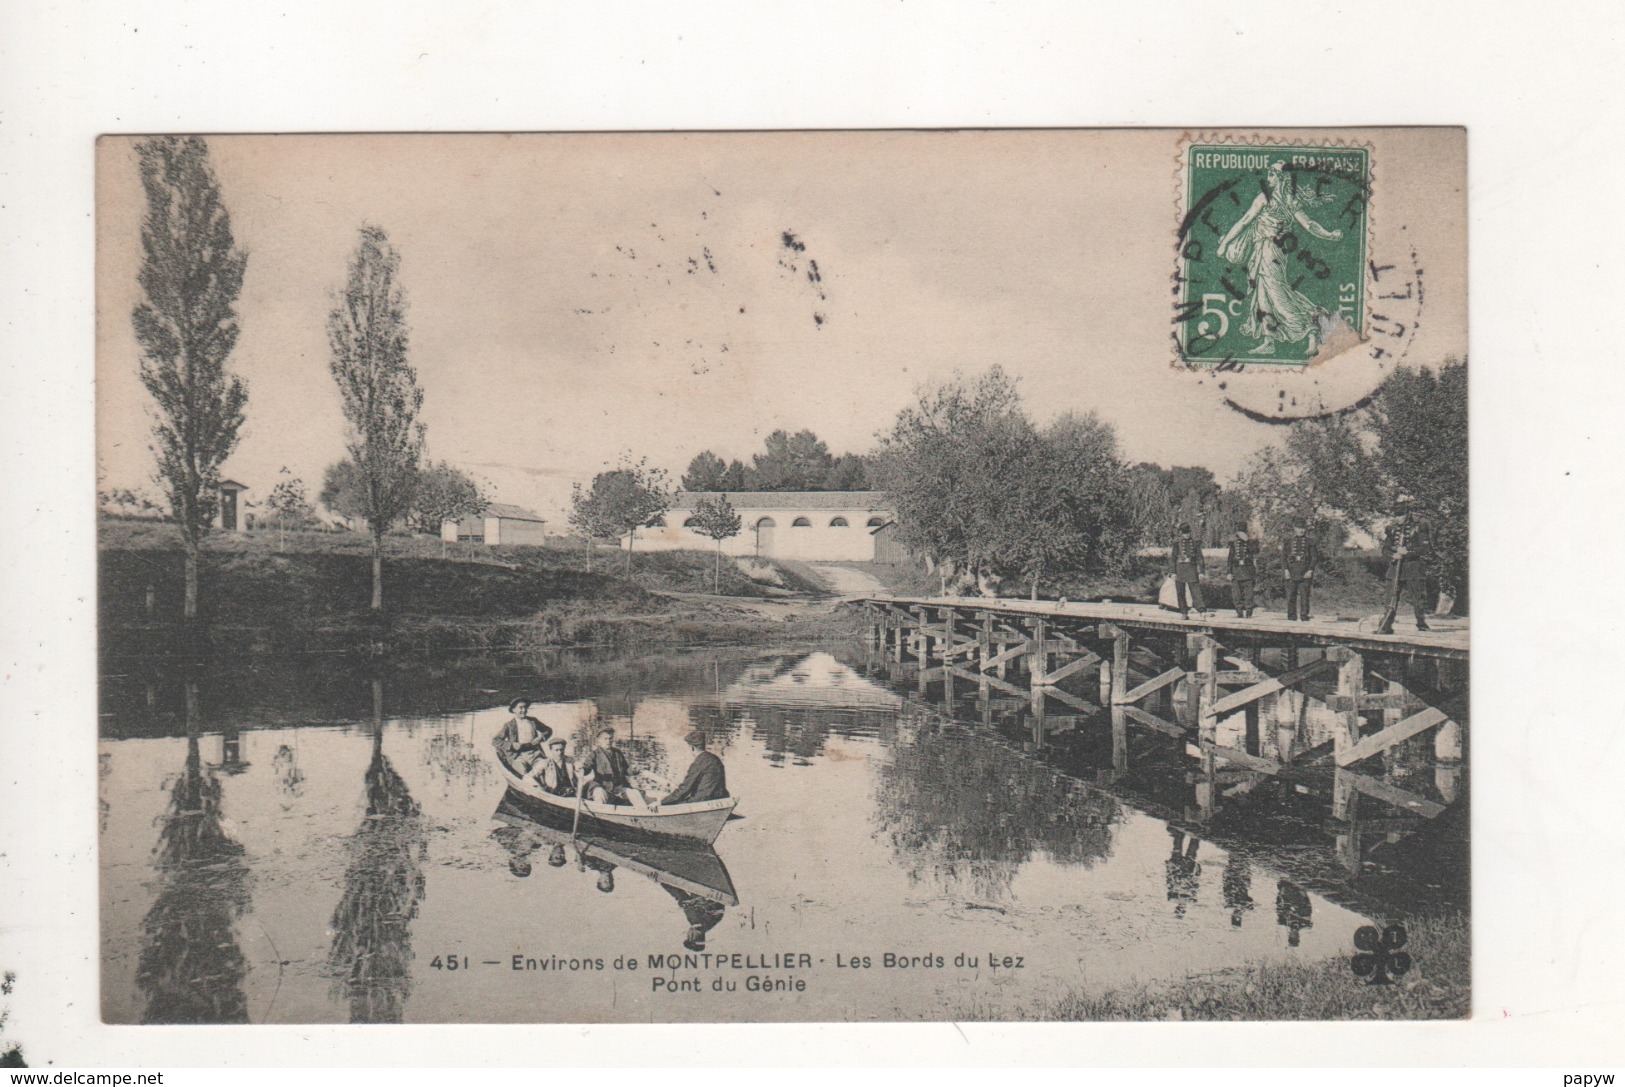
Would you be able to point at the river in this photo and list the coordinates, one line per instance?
(315, 842)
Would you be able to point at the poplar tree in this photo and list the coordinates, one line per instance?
(378, 390)
(186, 324)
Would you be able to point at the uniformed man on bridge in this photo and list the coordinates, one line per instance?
(1298, 559)
(1243, 563)
(1408, 544)
(1186, 558)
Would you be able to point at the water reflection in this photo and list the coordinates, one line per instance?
(191, 968)
(1184, 872)
(964, 811)
(1293, 911)
(875, 821)
(371, 953)
(692, 874)
(1238, 887)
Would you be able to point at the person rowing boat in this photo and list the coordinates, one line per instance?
(706, 778)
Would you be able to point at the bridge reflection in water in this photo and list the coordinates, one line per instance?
(312, 872)
(1372, 725)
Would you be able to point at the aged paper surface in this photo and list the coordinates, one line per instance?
(743, 577)
(1543, 392)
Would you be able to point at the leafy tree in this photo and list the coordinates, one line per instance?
(1152, 510)
(706, 472)
(1346, 471)
(186, 324)
(125, 502)
(11, 1055)
(736, 478)
(716, 518)
(1072, 508)
(975, 482)
(850, 472)
(378, 389)
(948, 461)
(621, 501)
(288, 504)
(792, 462)
(1419, 422)
(342, 490)
(444, 493)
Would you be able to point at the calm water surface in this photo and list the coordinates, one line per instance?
(320, 844)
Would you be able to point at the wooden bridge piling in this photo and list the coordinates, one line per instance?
(1202, 681)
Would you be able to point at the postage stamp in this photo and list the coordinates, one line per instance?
(1272, 252)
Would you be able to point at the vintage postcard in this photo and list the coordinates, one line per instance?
(783, 576)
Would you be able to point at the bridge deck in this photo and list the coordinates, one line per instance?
(1448, 638)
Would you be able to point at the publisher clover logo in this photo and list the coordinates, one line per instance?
(1380, 958)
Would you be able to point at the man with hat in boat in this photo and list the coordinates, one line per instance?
(706, 778)
(606, 776)
(557, 772)
(1408, 544)
(519, 741)
(1298, 558)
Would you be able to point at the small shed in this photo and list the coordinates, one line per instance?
(889, 550)
(227, 514)
(498, 523)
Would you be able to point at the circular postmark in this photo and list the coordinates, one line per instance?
(1278, 298)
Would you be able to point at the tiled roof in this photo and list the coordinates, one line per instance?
(511, 513)
(791, 500)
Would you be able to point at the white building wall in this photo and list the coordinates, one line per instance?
(819, 541)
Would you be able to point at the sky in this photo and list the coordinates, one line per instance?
(573, 298)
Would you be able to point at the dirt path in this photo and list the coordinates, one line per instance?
(847, 580)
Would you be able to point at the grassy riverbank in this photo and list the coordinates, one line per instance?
(1438, 986)
(263, 592)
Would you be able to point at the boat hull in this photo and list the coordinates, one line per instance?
(701, 822)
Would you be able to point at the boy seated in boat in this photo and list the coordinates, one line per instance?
(557, 772)
(606, 778)
(519, 741)
(706, 778)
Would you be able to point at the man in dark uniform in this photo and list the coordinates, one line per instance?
(706, 778)
(1243, 564)
(1408, 544)
(1299, 557)
(1186, 558)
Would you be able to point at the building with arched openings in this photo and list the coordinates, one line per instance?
(816, 526)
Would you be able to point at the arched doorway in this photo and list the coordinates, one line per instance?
(764, 536)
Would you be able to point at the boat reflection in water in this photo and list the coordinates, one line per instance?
(691, 872)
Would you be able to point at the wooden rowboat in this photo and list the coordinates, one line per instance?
(700, 822)
(687, 866)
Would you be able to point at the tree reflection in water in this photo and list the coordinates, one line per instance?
(191, 968)
(452, 756)
(966, 812)
(371, 954)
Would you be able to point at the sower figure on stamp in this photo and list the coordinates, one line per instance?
(1243, 564)
(1299, 557)
(1409, 547)
(1186, 559)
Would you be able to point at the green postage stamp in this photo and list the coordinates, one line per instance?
(1272, 253)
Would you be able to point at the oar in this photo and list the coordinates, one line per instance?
(576, 824)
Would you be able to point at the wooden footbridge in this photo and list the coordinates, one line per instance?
(1251, 698)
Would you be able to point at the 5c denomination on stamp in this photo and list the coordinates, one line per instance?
(1272, 252)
